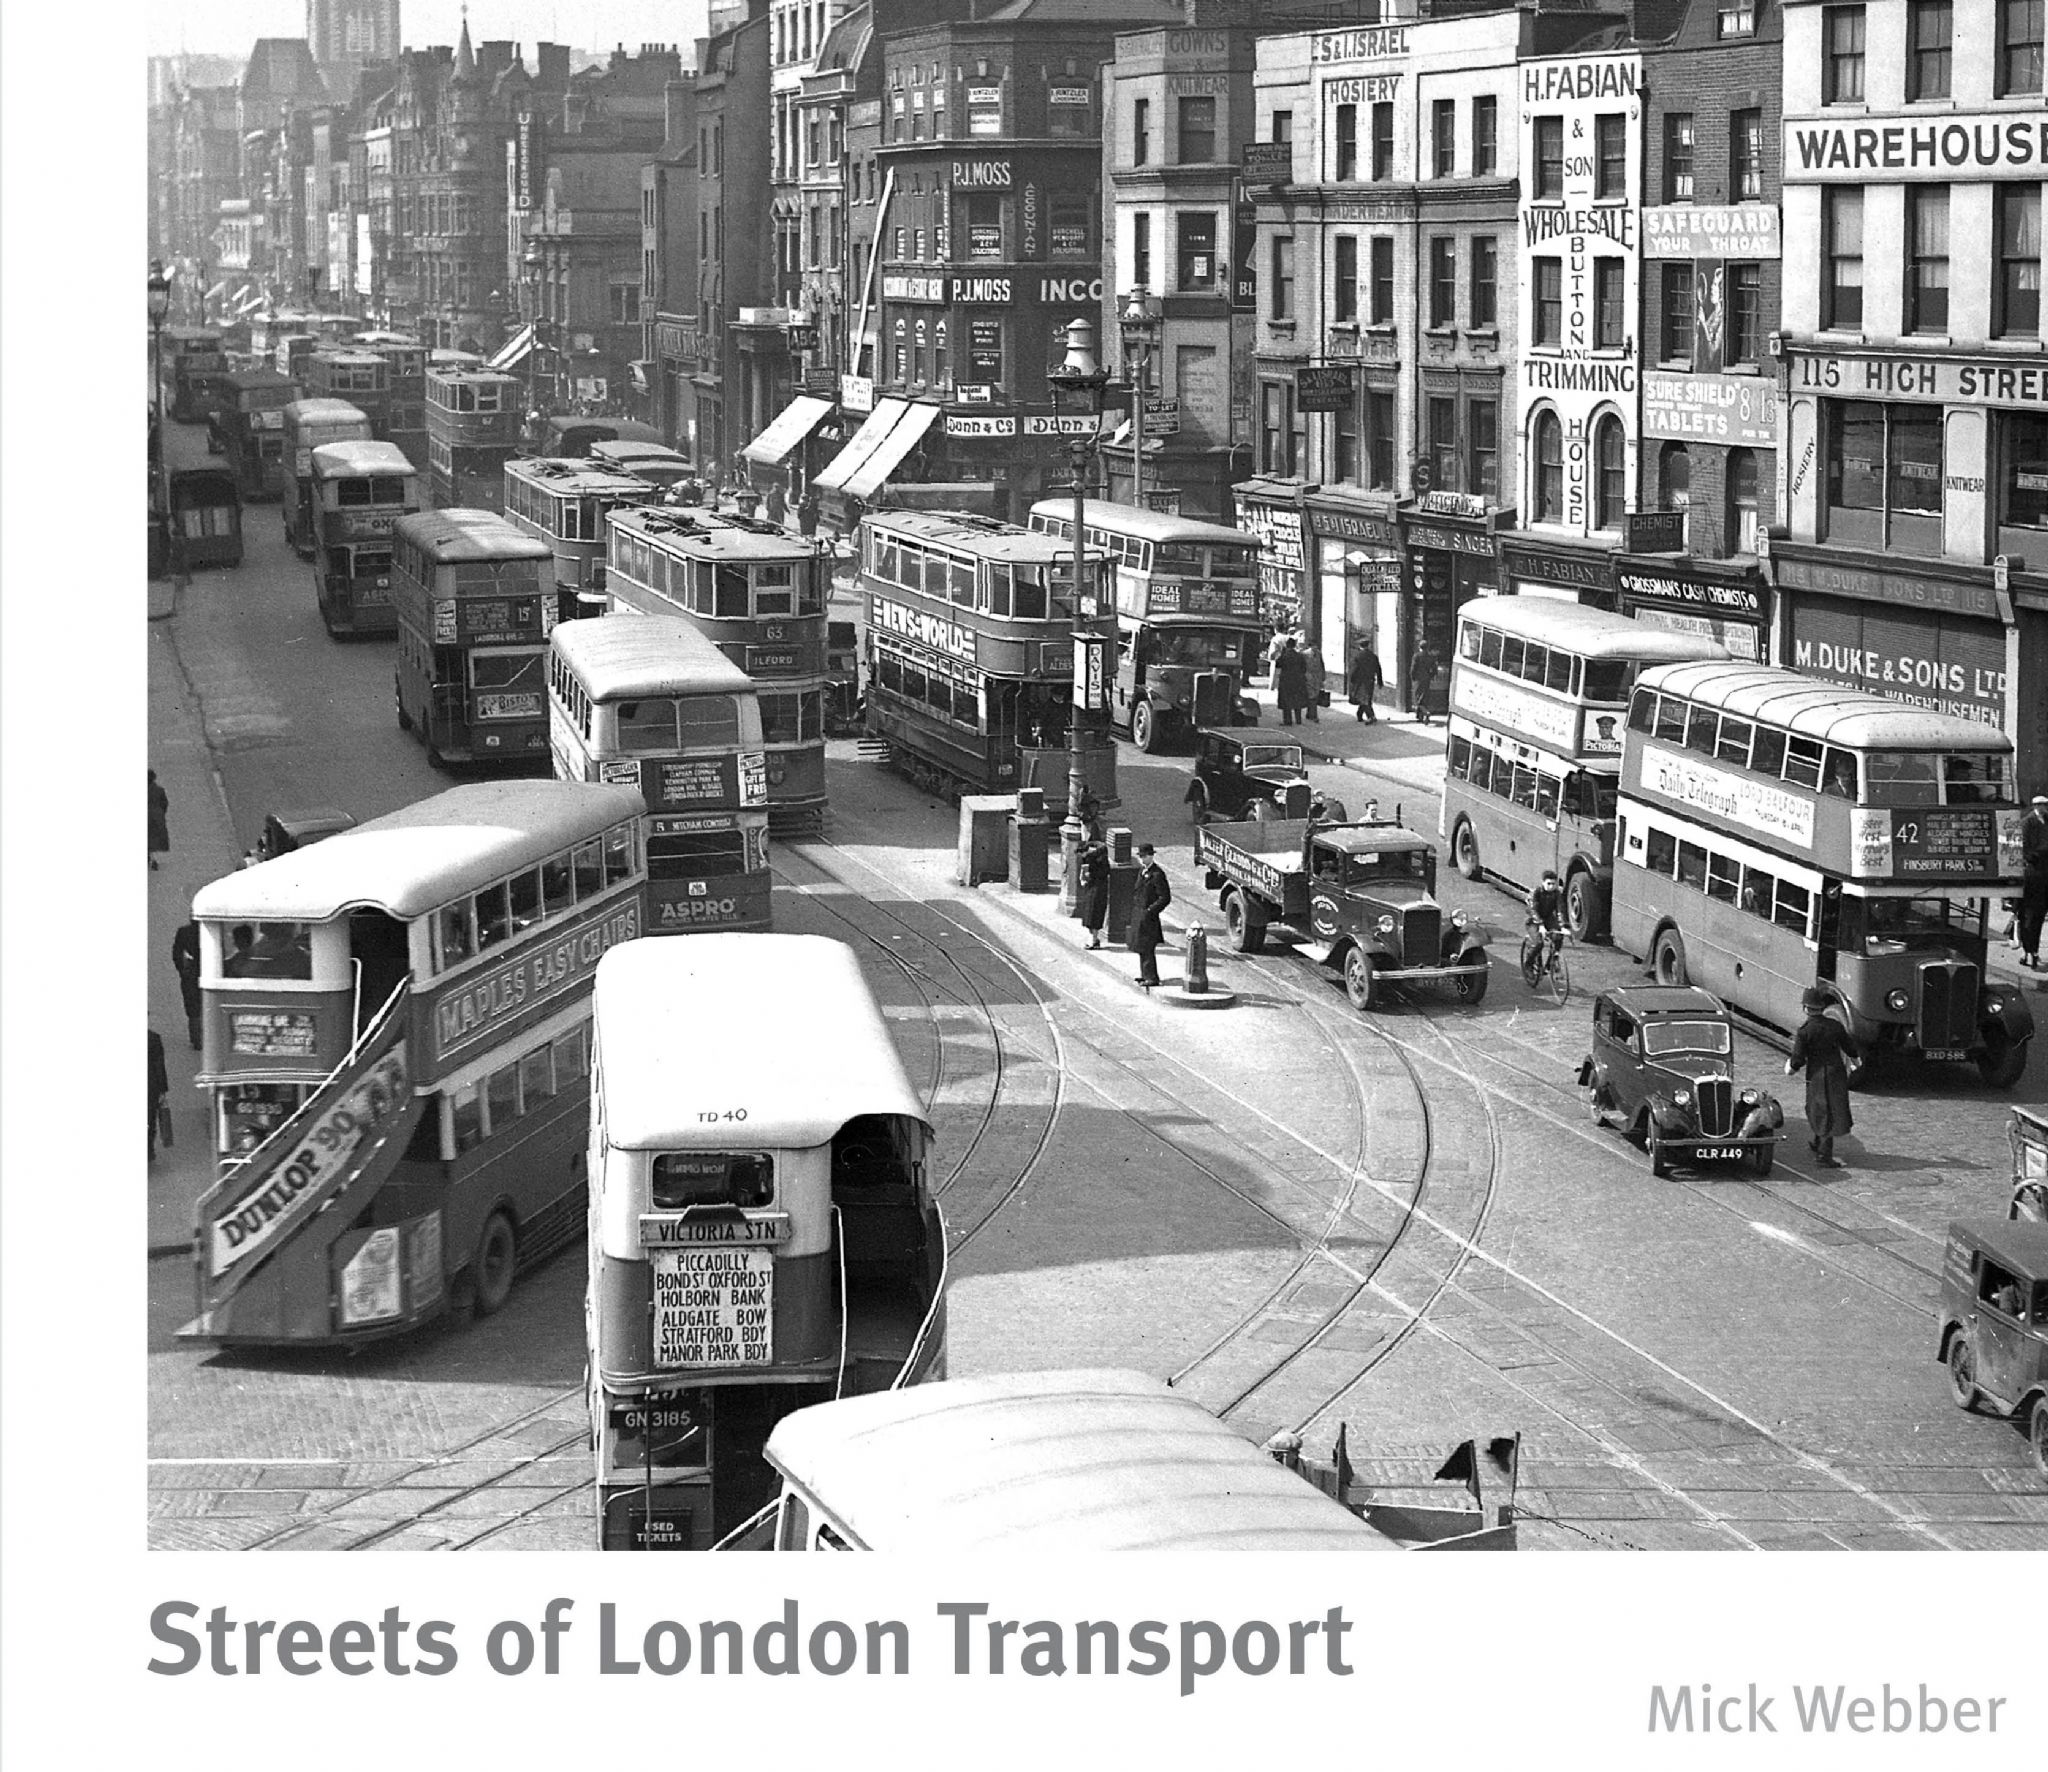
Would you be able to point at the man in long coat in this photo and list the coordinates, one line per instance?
(1822, 1049)
(1153, 895)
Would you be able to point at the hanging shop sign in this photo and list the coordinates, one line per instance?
(1327, 389)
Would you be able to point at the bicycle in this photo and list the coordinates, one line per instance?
(1543, 956)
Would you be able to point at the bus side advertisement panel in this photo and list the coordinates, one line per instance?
(1549, 723)
(1733, 800)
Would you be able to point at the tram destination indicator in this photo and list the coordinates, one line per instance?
(271, 1033)
(713, 1307)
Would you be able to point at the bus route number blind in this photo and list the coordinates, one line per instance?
(713, 1307)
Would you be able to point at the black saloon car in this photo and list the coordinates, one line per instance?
(1232, 775)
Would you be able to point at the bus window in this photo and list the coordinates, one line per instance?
(1178, 556)
(501, 1098)
(1525, 787)
(1549, 789)
(885, 563)
(1795, 908)
(1535, 663)
(618, 854)
(711, 1178)
(828, 1540)
(960, 574)
(648, 725)
(571, 1055)
(730, 596)
(1767, 754)
(1976, 779)
(1758, 892)
(1512, 652)
(1459, 757)
(469, 1120)
(709, 720)
(1802, 762)
(1733, 744)
(1662, 854)
(1723, 878)
(1503, 778)
(1838, 774)
(1030, 583)
(536, 1078)
(588, 864)
(493, 917)
(1558, 672)
(282, 950)
(774, 590)
(1701, 729)
(1671, 720)
(526, 909)
(1692, 866)
(453, 933)
(1490, 649)
(1642, 711)
(703, 586)
(1468, 641)
(1608, 680)
(557, 884)
(1482, 768)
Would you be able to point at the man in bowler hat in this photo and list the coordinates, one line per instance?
(1153, 895)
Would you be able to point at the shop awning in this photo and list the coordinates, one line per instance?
(514, 350)
(254, 299)
(857, 448)
(787, 429)
(217, 291)
(888, 455)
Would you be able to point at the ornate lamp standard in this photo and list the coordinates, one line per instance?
(1137, 321)
(159, 307)
(1091, 753)
(530, 267)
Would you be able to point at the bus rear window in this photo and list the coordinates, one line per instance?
(1490, 650)
(648, 725)
(269, 950)
(709, 720)
(711, 1178)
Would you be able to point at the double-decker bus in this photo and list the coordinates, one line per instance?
(758, 594)
(307, 425)
(191, 359)
(1778, 835)
(251, 427)
(475, 606)
(396, 1038)
(473, 425)
(288, 354)
(405, 413)
(655, 463)
(1187, 615)
(360, 491)
(763, 1233)
(359, 376)
(1539, 694)
(565, 503)
(970, 651)
(648, 701)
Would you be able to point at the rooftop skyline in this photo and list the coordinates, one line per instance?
(231, 27)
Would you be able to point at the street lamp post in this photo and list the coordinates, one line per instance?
(159, 307)
(1138, 322)
(1089, 746)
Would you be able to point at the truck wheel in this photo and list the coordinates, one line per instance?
(497, 1252)
(2037, 1435)
(2002, 1060)
(398, 700)
(1668, 962)
(1465, 849)
(1246, 937)
(1144, 727)
(1470, 987)
(1582, 907)
(1962, 1371)
(1198, 804)
(1358, 978)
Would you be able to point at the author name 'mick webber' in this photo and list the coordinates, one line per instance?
(1819, 1710)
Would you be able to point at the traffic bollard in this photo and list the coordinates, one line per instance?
(1195, 975)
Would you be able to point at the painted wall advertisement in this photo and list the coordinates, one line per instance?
(1736, 409)
(1952, 664)
(1579, 245)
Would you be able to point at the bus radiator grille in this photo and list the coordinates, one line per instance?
(1948, 1004)
(1717, 1106)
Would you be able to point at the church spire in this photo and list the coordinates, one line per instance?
(465, 56)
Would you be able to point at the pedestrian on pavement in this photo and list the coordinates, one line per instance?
(1094, 893)
(159, 820)
(1421, 679)
(1363, 679)
(1153, 895)
(159, 1087)
(1822, 1049)
(1290, 682)
(185, 961)
(1274, 641)
(2033, 878)
(807, 514)
(778, 503)
(1316, 675)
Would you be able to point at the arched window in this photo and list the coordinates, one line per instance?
(1674, 476)
(917, 355)
(1610, 474)
(1549, 452)
(1742, 507)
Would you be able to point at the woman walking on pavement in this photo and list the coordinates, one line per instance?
(159, 1087)
(1290, 682)
(1094, 894)
(1822, 1049)
(159, 820)
(1154, 894)
(1364, 678)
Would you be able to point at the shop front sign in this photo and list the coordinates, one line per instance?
(1947, 381)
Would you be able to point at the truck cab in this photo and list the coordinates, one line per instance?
(1174, 676)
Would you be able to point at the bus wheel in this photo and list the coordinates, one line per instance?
(1668, 963)
(1465, 849)
(1358, 978)
(398, 701)
(1962, 1371)
(497, 1253)
(1246, 937)
(2002, 1060)
(1144, 727)
(1582, 905)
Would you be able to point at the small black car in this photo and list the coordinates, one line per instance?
(1661, 1070)
(1232, 775)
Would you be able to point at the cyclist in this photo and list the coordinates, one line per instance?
(1546, 924)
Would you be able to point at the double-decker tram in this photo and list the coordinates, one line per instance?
(1539, 694)
(648, 701)
(192, 359)
(762, 1228)
(405, 414)
(396, 1041)
(473, 425)
(307, 425)
(251, 425)
(359, 376)
(565, 503)
(758, 594)
(360, 491)
(970, 650)
(1187, 615)
(475, 605)
(1778, 834)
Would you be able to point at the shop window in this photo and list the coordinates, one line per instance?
(2022, 458)
(1931, 33)
(1884, 484)
(1610, 470)
(1927, 259)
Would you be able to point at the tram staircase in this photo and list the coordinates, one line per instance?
(368, 1096)
(1414, 1514)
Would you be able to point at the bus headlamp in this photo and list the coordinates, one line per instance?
(1385, 925)
(1896, 1000)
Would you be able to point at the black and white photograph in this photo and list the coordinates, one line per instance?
(745, 946)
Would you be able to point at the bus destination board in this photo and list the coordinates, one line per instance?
(1925, 843)
(691, 781)
(713, 1307)
(270, 1033)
